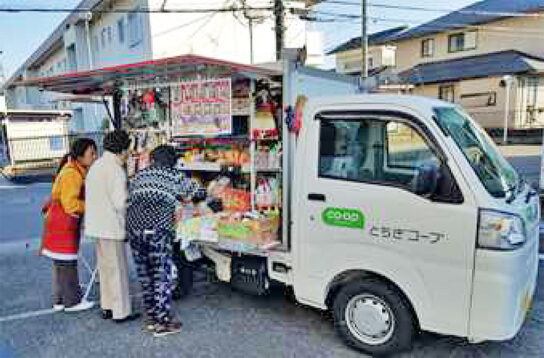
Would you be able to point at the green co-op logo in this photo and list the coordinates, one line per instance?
(348, 218)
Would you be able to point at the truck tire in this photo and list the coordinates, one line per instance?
(373, 317)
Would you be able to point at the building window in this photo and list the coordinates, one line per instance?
(110, 35)
(103, 38)
(56, 143)
(427, 48)
(134, 29)
(96, 49)
(447, 93)
(121, 30)
(370, 62)
(462, 41)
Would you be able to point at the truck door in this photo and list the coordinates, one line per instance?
(360, 210)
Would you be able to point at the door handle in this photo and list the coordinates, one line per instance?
(317, 197)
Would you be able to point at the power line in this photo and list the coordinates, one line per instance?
(436, 24)
(182, 25)
(134, 11)
(428, 9)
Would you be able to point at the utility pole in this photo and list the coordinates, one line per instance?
(364, 40)
(279, 14)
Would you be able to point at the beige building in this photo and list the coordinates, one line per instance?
(464, 56)
(381, 54)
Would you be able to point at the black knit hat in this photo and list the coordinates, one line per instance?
(164, 156)
(117, 141)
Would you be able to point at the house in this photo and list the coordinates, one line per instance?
(32, 141)
(381, 54)
(116, 32)
(478, 57)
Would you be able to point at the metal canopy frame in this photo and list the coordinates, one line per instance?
(105, 81)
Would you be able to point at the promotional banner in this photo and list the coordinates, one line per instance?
(202, 108)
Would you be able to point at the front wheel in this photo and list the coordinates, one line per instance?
(372, 316)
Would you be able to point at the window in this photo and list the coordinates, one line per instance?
(121, 30)
(462, 41)
(447, 93)
(427, 48)
(134, 29)
(406, 149)
(55, 143)
(370, 62)
(96, 48)
(378, 149)
(110, 34)
(103, 38)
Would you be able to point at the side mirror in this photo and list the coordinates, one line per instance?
(426, 180)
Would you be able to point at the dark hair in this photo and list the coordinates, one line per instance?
(164, 156)
(117, 141)
(77, 149)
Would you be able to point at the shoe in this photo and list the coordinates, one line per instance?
(166, 328)
(58, 307)
(82, 306)
(107, 314)
(129, 318)
(149, 325)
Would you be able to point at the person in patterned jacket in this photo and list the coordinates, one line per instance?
(154, 195)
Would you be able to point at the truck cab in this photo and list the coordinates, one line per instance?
(407, 217)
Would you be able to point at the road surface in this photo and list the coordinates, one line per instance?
(218, 322)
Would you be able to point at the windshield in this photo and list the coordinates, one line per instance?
(496, 174)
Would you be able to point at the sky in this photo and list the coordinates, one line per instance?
(22, 33)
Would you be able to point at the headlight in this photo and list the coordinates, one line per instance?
(500, 230)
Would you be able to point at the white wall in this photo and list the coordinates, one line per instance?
(110, 46)
(220, 35)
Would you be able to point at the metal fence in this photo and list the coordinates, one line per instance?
(42, 150)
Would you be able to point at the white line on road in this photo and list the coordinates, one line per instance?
(44, 312)
(26, 315)
(37, 185)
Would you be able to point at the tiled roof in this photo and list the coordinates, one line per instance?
(478, 13)
(488, 65)
(378, 38)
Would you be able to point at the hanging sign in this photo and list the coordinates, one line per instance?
(202, 107)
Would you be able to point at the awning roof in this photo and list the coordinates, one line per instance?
(487, 65)
(102, 81)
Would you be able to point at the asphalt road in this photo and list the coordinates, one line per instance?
(218, 322)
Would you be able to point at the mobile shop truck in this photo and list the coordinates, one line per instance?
(399, 215)
(435, 233)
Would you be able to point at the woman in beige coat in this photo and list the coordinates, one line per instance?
(106, 197)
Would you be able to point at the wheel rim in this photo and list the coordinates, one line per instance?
(370, 319)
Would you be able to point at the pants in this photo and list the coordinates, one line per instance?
(113, 269)
(152, 253)
(65, 286)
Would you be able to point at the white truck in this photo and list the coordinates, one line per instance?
(400, 215)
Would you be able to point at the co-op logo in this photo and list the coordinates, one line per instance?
(349, 218)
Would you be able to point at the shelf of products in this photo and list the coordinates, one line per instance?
(217, 168)
(226, 134)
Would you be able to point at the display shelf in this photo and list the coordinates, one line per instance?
(239, 246)
(216, 167)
